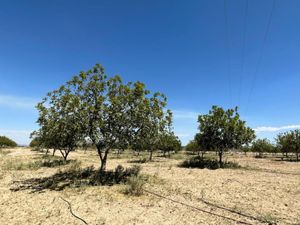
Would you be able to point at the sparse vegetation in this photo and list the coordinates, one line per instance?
(135, 185)
(34, 165)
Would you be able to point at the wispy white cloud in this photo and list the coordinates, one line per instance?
(275, 129)
(17, 102)
(22, 137)
(182, 114)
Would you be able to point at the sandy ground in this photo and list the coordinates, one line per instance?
(267, 189)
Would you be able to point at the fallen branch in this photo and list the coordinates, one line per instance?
(70, 208)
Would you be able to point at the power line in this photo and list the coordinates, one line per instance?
(261, 54)
(243, 52)
(228, 50)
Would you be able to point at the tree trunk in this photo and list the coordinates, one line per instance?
(220, 158)
(53, 152)
(103, 159)
(103, 165)
(65, 153)
(297, 156)
(150, 157)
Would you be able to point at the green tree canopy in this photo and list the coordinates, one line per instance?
(7, 142)
(289, 142)
(262, 146)
(169, 142)
(105, 110)
(221, 130)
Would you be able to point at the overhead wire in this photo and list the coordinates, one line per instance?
(240, 88)
(258, 65)
(227, 43)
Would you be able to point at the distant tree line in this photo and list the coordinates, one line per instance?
(7, 142)
(287, 143)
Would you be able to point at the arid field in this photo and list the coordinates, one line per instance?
(262, 191)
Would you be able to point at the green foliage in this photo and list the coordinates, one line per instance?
(201, 163)
(198, 145)
(289, 142)
(6, 142)
(192, 146)
(221, 130)
(169, 142)
(59, 120)
(35, 143)
(262, 146)
(105, 111)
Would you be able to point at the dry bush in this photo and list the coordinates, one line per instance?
(135, 185)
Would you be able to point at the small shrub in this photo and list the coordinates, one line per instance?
(269, 219)
(135, 185)
(119, 175)
(212, 164)
(54, 162)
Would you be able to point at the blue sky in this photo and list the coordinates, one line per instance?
(181, 48)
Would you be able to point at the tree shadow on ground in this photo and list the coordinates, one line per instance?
(212, 164)
(76, 178)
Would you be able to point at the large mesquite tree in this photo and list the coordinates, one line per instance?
(222, 130)
(105, 110)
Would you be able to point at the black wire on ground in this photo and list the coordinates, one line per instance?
(198, 209)
(71, 211)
